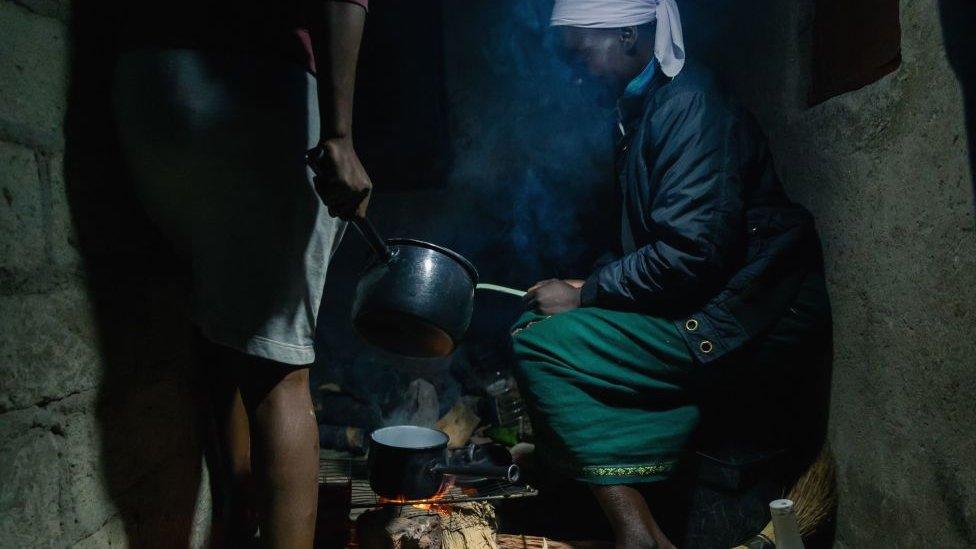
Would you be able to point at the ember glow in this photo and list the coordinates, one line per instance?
(430, 504)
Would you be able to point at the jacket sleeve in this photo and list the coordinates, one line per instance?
(694, 213)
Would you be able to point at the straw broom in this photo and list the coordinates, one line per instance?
(814, 500)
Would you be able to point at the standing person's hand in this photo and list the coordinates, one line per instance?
(341, 180)
(553, 296)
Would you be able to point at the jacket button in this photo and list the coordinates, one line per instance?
(754, 230)
(691, 325)
(706, 346)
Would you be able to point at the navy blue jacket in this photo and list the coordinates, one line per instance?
(709, 237)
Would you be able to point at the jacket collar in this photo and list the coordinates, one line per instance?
(631, 104)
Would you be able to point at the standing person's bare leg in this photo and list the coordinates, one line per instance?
(284, 451)
(633, 525)
(228, 446)
(237, 515)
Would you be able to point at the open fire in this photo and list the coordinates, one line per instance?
(433, 503)
(428, 524)
(441, 502)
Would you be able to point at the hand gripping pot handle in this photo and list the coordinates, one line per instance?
(365, 227)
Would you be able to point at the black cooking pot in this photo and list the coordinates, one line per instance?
(409, 463)
(415, 298)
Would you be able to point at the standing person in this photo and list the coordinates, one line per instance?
(717, 271)
(216, 103)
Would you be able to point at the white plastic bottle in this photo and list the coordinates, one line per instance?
(784, 524)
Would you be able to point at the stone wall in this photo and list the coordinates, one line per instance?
(97, 444)
(886, 171)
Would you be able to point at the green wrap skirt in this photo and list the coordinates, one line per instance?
(607, 392)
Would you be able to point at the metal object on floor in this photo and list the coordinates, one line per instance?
(352, 475)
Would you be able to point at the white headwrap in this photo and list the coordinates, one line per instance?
(669, 44)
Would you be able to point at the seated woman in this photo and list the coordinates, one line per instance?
(717, 268)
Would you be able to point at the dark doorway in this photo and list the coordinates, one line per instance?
(854, 44)
(958, 25)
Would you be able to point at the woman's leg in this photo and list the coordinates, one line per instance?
(609, 396)
(284, 450)
(633, 525)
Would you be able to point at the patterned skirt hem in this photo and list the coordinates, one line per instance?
(626, 474)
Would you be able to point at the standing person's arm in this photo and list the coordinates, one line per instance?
(336, 34)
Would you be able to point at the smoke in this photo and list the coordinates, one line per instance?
(532, 155)
(543, 226)
(527, 196)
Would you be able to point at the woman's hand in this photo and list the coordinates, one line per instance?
(575, 282)
(341, 180)
(553, 296)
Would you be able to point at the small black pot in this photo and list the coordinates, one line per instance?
(408, 463)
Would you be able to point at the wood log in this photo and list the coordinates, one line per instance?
(469, 525)
(399, 528)
(459, 422)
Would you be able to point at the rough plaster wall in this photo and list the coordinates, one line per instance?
(885, 171)
(96, 441)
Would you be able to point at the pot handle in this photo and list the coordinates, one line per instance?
(373, 238)
(369, 232)
(510, 473)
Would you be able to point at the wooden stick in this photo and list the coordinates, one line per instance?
(500, 289)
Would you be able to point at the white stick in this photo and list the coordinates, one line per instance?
(502, 289)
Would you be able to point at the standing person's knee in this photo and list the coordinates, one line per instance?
(289, 389)
(292, 394)
(283, 419)
(293, 380)
(266, 383)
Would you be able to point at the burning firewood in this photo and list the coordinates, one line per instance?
(469, 525)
